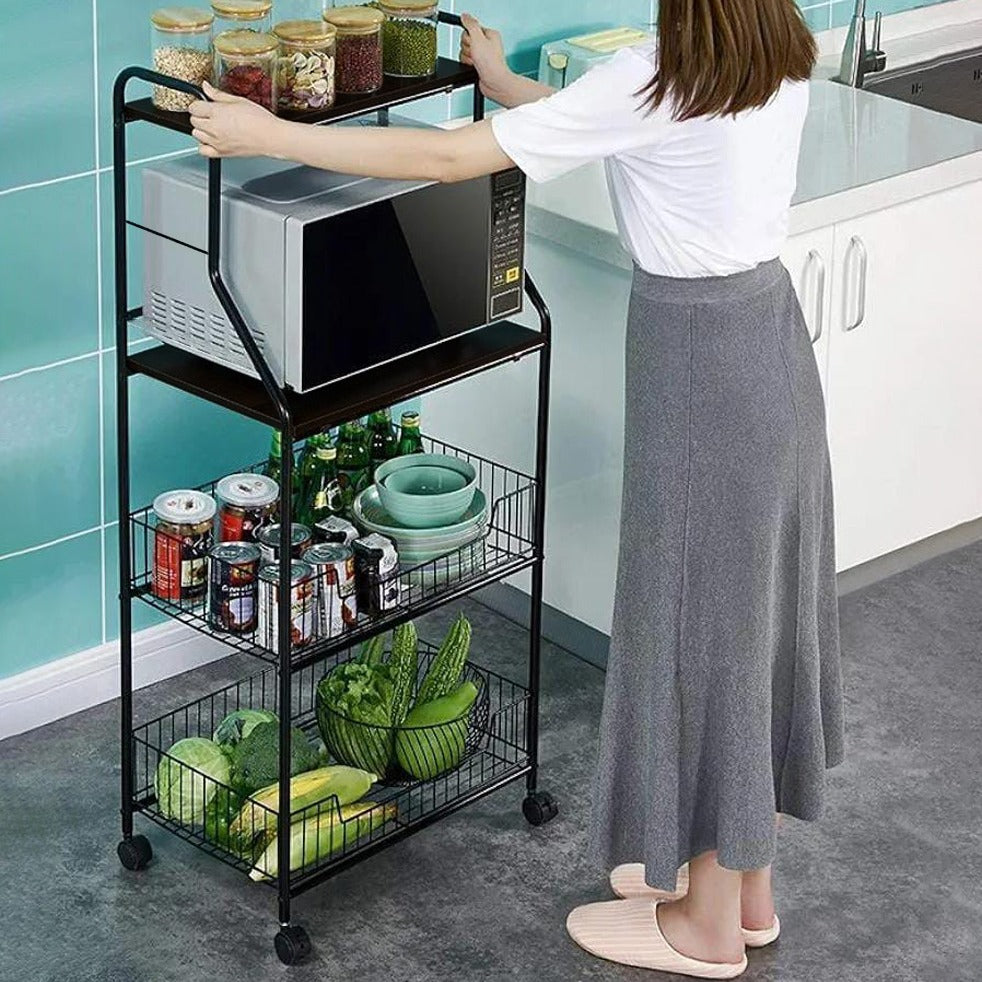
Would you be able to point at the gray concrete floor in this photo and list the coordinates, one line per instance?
(888, 887)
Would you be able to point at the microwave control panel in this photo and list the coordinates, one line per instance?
(507, 243)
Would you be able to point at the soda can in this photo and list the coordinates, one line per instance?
(336, 531)
(302, 612)
(336, 598)
(269, 541)
(183, 536)
(233, 587)
(376, 574)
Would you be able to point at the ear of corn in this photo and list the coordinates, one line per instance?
(259, 813)
(443, 675)
(405, 667)
(319, 837)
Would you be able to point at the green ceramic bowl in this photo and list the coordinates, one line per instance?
(426, 491)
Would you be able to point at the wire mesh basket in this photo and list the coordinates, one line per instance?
(407, 752)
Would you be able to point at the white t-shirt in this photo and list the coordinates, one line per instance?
(704, 197)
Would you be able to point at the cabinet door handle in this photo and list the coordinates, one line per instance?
(815, 259)
(857, 247)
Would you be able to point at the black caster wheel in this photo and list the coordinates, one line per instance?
(292, 944)
(539, 808)
(135, 853)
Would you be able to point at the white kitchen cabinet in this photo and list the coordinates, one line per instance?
(809, 258)
(904, 391)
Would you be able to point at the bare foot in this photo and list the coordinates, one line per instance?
(709, 942)
(757, 900)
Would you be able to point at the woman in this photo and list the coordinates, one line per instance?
(723, 701)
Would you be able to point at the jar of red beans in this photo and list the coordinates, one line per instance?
(247, 15)
(245, 65)
(359, 49)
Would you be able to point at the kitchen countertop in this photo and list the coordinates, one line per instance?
(861, 152)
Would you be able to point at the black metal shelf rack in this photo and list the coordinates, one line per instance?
(502, 743)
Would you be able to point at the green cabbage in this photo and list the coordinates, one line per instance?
(182, 781)
(240, 724)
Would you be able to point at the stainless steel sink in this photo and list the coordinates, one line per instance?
(951, 85)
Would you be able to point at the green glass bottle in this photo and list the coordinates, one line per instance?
(384, 444)
(410, 441)
(274, 463)
(353, 462)
(324, 497)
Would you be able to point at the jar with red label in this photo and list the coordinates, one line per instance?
(245, 65)
(247, 503)
(183, 537)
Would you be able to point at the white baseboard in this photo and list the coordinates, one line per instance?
(69, 685)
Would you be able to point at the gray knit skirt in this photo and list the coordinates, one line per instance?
(724, 699)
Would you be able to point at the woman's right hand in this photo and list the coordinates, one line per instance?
(484, 49)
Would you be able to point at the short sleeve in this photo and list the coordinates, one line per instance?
(600, 115)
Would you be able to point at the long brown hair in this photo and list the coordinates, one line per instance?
(720, 57)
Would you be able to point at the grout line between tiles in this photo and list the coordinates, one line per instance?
(54, 542)
(99, 314)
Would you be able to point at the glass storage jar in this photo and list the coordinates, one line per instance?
(409, 37)
(242, 15)
(245, 64)
(305, 68)
(181, 44)
(358, 67)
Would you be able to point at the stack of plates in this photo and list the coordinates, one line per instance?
(417, 546)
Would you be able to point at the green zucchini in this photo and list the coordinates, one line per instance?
(443, 675)
(404, 664)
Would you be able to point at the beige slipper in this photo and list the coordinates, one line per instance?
(628, 882)
(627, 932)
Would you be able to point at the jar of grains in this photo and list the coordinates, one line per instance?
(181, 43)
(242, 15)
(245, 64)
(409, 37)
(305, 69)
(359, 48)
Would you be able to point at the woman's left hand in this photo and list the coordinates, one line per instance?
(230, 126)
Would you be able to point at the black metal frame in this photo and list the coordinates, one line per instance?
(281, 410)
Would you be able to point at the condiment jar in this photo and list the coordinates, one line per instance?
(409, 37)
(183, 536)
(305, 68)
(245, 64)
(248, 503)
(359, 49)
(242, 15)
(180, 39)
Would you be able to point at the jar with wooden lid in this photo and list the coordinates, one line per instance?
(181, 45)
(358, 68)
(245, 65)
(305, 67)
(409, 42)
(242, 15)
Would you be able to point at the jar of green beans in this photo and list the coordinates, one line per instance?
(409, 37)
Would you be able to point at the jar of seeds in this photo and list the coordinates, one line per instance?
(242, 15)
(305, 69)
(181, 45)
(358, 68)
(245, 65)
(409, 37)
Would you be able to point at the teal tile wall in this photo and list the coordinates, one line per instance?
(824, 14)
(58, 538)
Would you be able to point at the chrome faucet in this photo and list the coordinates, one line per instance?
(858, 61)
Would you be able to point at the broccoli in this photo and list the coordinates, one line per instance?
(255, 758)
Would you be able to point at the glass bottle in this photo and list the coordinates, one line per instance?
(324, 497)
(358, 67)
(410, 440)
(181, 46)
(409, 44)
(384, 443)
(248, 15)
(353, 462)
(305, 68)
(245, 65)
(274, 463)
